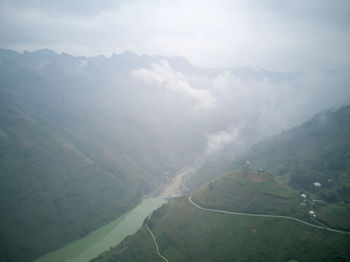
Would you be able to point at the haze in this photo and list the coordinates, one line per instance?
(107, 103)
(283, 62)
(293, 35)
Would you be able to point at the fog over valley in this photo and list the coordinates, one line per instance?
(213, 107)
(130, 126)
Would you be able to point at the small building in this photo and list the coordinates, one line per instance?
(303, 196)
(312, 213)
(317, 184)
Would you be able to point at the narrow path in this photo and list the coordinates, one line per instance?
(156, 244)
(260, 215)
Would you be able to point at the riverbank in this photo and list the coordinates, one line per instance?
(173, 189)
(112, 233)
(103, 238)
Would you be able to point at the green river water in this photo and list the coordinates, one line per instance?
(90, 246)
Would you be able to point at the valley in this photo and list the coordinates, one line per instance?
(87, 141)
(111, 234)
(174, 131)
(173, 189)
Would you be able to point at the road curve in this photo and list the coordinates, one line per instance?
(261, 215)
(156, 244)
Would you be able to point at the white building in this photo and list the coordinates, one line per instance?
(312, 213)
(316, 184)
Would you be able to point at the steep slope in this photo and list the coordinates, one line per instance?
(74, 154)
(186, 233)
(315, 159)
(55, 186)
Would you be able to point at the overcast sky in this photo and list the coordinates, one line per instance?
(280, 35)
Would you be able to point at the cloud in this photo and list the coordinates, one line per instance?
(257, 108)
(219, 140)
(293, 35)
(163, 75)
(249, 104)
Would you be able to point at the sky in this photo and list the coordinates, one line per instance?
(280, 35)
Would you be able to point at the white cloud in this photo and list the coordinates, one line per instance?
(248, 108)
(257, 108)
(219, 140)
(163, 75)
(289, 36)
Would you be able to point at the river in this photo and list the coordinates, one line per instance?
(113, 233)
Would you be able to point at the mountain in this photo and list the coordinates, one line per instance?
(316, 151)
(83, 138)
(76, 150)
(265, 185)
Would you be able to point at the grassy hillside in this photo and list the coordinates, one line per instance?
(186, 233)
(250, 193)
(316, 151)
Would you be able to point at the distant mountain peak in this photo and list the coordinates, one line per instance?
(126, 55)
(42, 52)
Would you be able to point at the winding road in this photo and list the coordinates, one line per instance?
(261, 215)
(156, 244)
(169, 191)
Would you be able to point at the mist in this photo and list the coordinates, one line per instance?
(293, 36)
(243, 105)
(106, 104)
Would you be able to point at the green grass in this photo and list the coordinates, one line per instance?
(251, 193)
(334, 215)
(318, 150)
